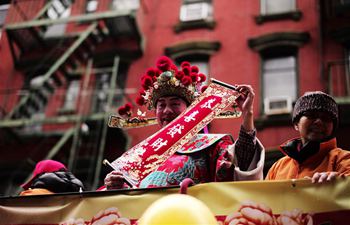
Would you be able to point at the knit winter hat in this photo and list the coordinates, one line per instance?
(44, 166)
(315, 101)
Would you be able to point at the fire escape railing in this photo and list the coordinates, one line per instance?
(78, 51)
(77, 54)
(57, 73)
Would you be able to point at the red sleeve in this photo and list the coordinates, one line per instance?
(221, 166)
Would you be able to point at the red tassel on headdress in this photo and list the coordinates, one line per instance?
(163, 63)
(166, 80)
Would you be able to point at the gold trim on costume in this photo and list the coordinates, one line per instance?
(115, 121)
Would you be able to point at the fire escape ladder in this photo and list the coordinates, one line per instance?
(55, 149)
(102, 144)
(24, 39)
(58, 73)
(42, 14)
(77, 130)
(95, 143)
(27, 38)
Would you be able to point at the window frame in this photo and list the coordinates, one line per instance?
(274, 44)
(264, 7)
(289, 97)
(72, 105)
(101, 87)
(57, 30)
(293, 14)
(88, 4)
(194, 60)
(4, 7)
(206, 12)
(113, 5)
(201, 21)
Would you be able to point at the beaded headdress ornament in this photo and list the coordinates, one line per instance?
(167, 80)
(164, 80)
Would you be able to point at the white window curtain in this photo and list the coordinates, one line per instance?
(196, 10)
(3, 12)
(56, 11)
(91, 6)
(125, 4)
(72, 94)
(279, 77)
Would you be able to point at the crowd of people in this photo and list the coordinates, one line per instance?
(169, 91)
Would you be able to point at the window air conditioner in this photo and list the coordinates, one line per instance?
(194, 11)
(277, 105)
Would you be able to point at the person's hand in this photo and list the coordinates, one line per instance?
(246, 99)
(114, 180)
(227, 160)
(323, 177)
(245, 103)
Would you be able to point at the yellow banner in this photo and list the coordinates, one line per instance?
(258, 202)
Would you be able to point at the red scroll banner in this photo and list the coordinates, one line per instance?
(136, 163)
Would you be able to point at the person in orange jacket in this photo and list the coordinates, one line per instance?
(315, 153)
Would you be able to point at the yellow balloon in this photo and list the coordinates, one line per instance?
(177, 209)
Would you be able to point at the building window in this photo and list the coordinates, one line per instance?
(91, 6)
(195, 14)
(72, 94)
(3, 12)
(195, 10)
(279, 84)
(197, 53)
(125, 4)
(272, 10)
(57, 10)
(201, 61)
(101, 92)
(279, 74)
(268, 7)
(347, 73)
(348, 58)
(339, 77)
(203, 67)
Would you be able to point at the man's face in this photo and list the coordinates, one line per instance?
(314, 126)
(168, 108)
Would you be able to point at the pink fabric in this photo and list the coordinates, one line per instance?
(185, 184)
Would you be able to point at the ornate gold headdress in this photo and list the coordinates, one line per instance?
(164, 80)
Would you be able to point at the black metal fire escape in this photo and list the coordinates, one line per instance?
(28, 36)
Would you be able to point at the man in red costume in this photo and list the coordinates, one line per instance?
(315, 153)
(207, 157)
